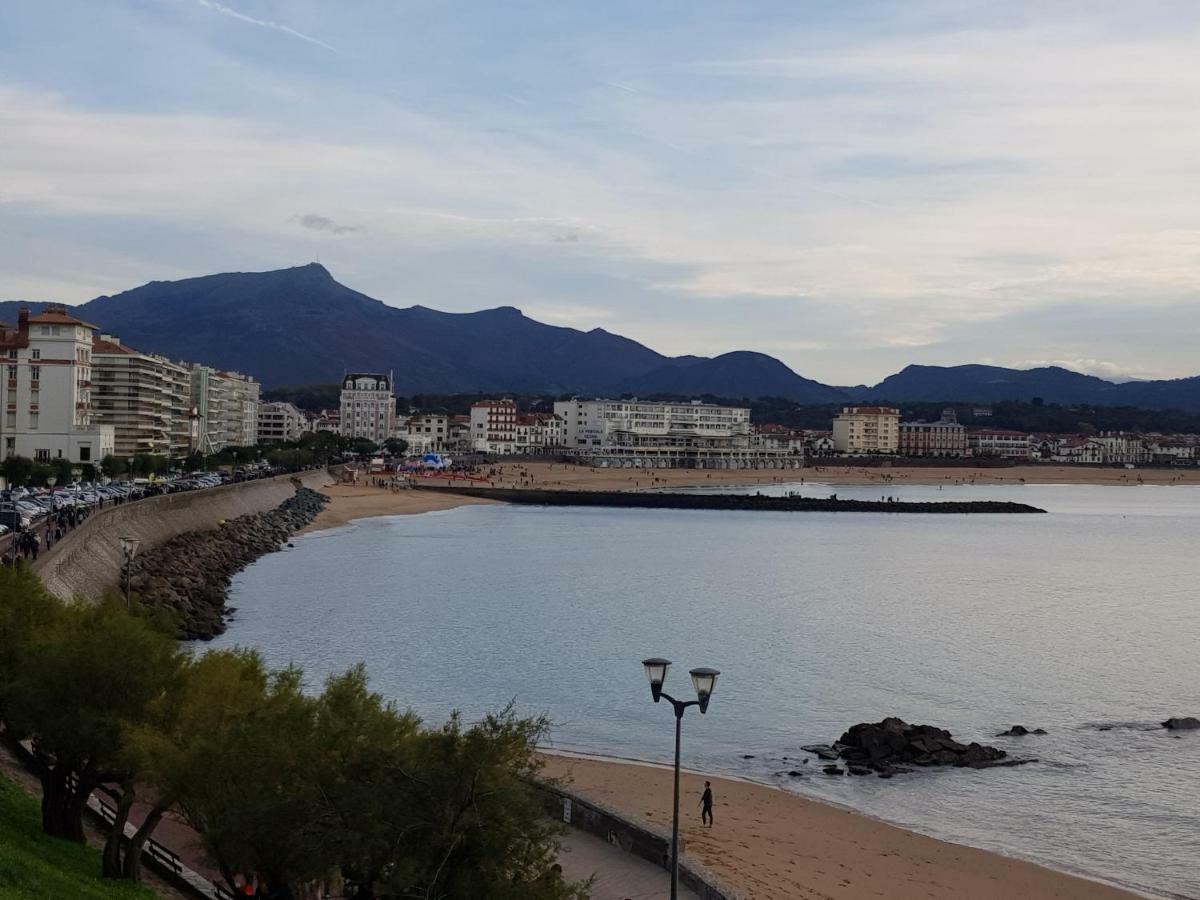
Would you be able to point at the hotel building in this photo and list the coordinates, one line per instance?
(279, 422)
(368, 408)
(945, 437)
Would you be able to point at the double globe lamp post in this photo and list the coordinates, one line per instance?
(704, 680)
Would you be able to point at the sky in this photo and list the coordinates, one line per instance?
(850, 186)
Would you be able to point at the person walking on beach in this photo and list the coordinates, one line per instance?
(706, 803)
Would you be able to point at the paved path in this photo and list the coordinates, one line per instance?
(619, 875)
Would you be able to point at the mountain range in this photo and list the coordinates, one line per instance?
(299, 326)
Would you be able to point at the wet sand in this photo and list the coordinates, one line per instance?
(775, 845)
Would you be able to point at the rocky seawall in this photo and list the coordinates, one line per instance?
(189, 575)
(757, 502)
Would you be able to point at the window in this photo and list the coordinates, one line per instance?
(12, 371)
(41, 455)
(12, 354)
(36, 354)
(10, 420)
(33, 421)
(33, 397)
(35, 372)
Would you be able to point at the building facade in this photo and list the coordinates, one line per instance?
(999, 443)
(426, 433)
(145, 398)
(47, 390)
(279, 422)
(368, 408)
(945, 437)
(494, 426)
(863, 430)
(665, 435)
(224, 409)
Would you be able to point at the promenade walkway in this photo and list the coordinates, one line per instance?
(619, 875)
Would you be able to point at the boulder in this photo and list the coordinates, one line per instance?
(833, 770)
(887, 747)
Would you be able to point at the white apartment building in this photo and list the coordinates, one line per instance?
(665, 435)
(1000, 443)
(279, 422)
(144, 397)
(368, 407)
(860, 430)
(47, 391)
(224, 409)
(426, 433)
(1123, 449)
(494, 426)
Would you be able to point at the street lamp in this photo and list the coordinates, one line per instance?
(129, 549)
(704, 681)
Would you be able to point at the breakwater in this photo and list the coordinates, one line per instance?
(757, 502)
(88, 561)
(189, 575)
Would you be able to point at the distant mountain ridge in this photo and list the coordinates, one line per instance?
(300, 326)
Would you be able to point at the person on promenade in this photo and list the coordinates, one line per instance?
(706, 805)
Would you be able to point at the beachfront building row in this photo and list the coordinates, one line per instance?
(945, 437)
(640, 433)
(224, 409)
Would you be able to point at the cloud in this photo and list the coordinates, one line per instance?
(324, 223)
(1101, 368)
(263, 23)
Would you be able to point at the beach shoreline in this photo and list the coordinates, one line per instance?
(774, 844)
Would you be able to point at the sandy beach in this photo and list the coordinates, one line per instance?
(775, 845)
(360, 501)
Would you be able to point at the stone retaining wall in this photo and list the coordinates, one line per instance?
(88, 560)
(641, 839)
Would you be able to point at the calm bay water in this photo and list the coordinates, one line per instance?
(1084, 622)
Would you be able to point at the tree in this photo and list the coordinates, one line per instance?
(61, 469)
(363, 446)
(475, 825)
(112, 466)
(82, 683)
(17, 470)
(395, 446)
(26, 610)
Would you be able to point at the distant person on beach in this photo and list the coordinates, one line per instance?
(706, 801)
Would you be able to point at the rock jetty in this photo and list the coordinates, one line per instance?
(189, 575)
(1185, 723)
(749, 502)
(891, 746)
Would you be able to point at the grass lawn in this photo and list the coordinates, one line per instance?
(36, 867)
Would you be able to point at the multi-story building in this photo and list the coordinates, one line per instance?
(667, 435)
(945, 437)
(279, 422)
(425, 433)
(1121, 448)
(860, 430)
(368, 406)
(47, 391)
(145, 398)
(494, 426)
(992, 442)
(225, 409)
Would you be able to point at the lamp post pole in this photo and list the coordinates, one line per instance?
(129, 548)
(704, 680)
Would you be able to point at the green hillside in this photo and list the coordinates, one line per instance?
(36, 867)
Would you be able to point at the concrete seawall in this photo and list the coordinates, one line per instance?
(88, 560)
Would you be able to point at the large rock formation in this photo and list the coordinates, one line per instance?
(189, 575)
(886, 747)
